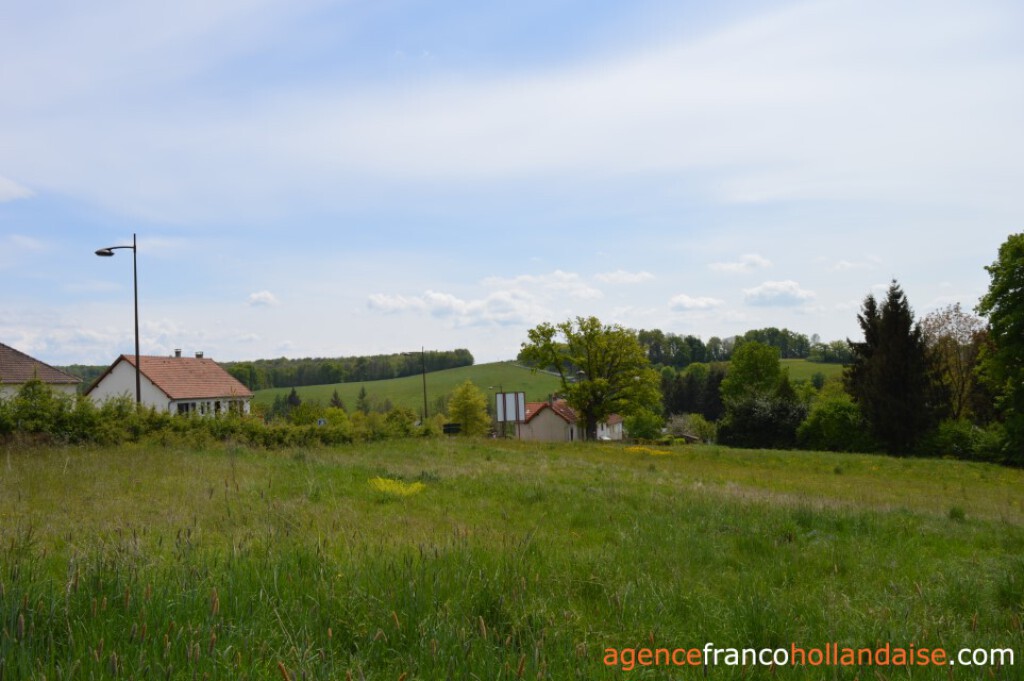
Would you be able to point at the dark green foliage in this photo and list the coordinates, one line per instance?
(891, 378)
(1003, 363)
(337, 402)
(836, 352)
(695, 390)
(961, 439)
(835, 423)
(762, 410)
(791, 345)
(644, 425)
(39, 414)
(761, 421)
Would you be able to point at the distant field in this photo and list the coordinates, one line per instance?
(470, 559)
(802, 370)
(408, 391)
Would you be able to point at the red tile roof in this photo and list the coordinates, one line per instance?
(186, 378)
(17, 367)
(560, 407)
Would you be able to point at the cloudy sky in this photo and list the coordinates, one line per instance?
(327, 178)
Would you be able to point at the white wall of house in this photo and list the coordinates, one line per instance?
(609, 432)
(120, 382)
(9, 390)
(547, 426)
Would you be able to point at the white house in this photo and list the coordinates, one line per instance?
(555, 421)
(179, 385)
(17, 369)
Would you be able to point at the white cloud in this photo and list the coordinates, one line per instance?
(498, 308)
(745, 263)
(777, 294)
(624, 277)
(683, 303)
(262, 299)
(867, 263)
(559, 282)
(11, 190)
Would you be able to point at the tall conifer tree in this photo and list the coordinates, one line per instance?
(890, 376)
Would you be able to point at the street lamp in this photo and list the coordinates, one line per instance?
(106, 253)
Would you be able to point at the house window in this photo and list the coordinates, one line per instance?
(186, 407)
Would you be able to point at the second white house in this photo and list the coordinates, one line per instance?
(179, 385)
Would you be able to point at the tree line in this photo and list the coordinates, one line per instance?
(950, 384)
(286, 373)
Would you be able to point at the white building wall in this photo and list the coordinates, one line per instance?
(121, 381)
(547, 426)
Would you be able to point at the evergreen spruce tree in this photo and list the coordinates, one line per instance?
(890, 376)
(363, 401)
(336, 401)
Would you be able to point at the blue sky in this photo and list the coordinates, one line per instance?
(313, 178)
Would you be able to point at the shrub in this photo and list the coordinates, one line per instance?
(761, 422)
(835, 423)
(961, 439)
(644, 425)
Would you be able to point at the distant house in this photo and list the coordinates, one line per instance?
(179, 385)
(610, 429)
(555, 421)
(17, 369)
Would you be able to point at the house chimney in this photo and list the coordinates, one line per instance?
(177, 352)
(199, 354)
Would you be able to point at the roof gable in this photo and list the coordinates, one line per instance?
(185, 378)
(17, 367)
(559, 407)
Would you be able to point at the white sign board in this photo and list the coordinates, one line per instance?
(511, 407)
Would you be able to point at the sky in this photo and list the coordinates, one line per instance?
(321, 178)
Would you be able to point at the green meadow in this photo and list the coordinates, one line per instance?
(408, 391)
(473, 559)
(802, 370)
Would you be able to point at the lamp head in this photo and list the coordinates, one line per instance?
(105, 252)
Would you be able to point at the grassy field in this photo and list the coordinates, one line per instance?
(802, 370)
(463, 559)
(408, 391)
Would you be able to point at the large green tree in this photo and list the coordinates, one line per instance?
(603, 368)
(890, 375)
(753, 370)
(1003, 364)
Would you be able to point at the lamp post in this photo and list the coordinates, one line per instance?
(423, 366)
(106, 253)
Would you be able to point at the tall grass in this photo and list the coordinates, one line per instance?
(510, 561)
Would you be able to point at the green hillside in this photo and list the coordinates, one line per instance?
(802, 370)
(408, 391)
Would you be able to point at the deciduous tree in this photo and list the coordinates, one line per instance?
(953, 339)
(603, 368)
(468, 407)
(1003, 366)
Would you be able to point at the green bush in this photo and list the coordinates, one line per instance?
(761, 422)
(644, 425)
(961, 439)
(836, 424)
